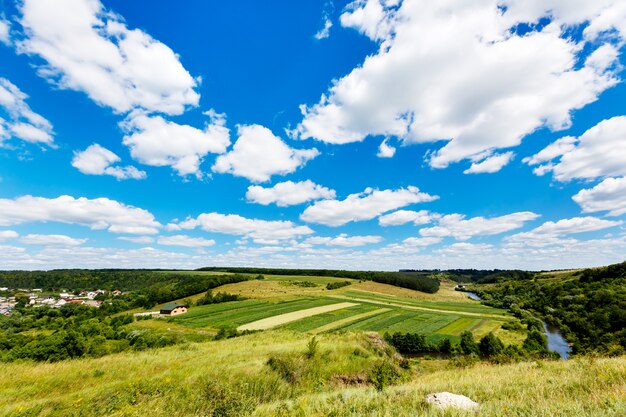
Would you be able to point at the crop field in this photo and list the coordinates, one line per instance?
(276, 302)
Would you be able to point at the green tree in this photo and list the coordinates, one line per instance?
(468, 344)
(490, 345)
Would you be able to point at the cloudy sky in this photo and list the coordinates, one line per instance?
(373, 134)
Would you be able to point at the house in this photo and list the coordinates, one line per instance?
(116, 292)
(172, 309)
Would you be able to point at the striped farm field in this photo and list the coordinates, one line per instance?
(237, 313)
(274, 321)
(276, 303)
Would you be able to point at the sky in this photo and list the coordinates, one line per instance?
(372, 134)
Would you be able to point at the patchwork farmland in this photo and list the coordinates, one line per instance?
(280, 303)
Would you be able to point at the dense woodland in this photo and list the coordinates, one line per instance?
(423, 283)
(589, 306)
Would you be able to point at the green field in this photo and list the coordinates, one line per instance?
(435, 317)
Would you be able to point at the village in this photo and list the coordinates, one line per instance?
(36, 297)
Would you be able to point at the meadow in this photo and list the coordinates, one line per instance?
(232, 378)
(278, 301)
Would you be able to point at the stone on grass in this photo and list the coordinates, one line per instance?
(447, 399)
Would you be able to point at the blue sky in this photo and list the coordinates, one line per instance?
(374, 134)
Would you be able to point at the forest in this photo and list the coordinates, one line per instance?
(588, 306)
(423, 283)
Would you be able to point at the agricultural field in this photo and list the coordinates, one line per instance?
(281, 302)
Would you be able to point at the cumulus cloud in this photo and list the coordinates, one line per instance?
(157, 142)
(5, 38)
(324, 31)
(234, 224)
(258, 154)
(344, 240)
(551, 233)
(8, 234)
(98, 213)
(288, 193)
(96, 160)
(457, 226)
(88, 48)
(385, 150)
(18, 120)
(185, 241)
(367, 205)
(490, 164)
(599, 152)
(463, 72)
(137, 239)
(401, 217)
(609, 196)
(51, 240)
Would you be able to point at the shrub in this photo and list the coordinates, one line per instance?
(490, 345)
(383, 374)
(312, 348)
(468, 345)
(339, 284)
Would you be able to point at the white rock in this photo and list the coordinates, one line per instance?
(447, 399)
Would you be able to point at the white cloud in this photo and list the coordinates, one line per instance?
(457, 226)
(88, 48)
(401, 217)
(19, 120)
(385, 150)
(551, 233)
(363, 206)
(98, 213)
(4, 31)
(609, 195)
(233, 224)
(157, 142)
(288, 193)
(324, 32)
(185, 241)
(490, 164)
(421, 241)
(137, 239)
(599, 152)
(327, 23)
(96, 160)
(258, 154)
(344, 240)
(459, 71)
(51, 240)
(8, 234)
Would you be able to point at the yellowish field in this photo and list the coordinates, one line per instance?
(193, 379)
(275, 321)
(446, 291)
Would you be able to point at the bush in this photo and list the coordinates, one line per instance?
(312, 348)
(383, 374)
(490, 345)
(468, 345)
(339, 284)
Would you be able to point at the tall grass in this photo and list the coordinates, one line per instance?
(234, 377)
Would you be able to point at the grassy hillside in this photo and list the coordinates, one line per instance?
(232, 378)
(372, 307)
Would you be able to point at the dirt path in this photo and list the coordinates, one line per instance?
(274, 321)
(334, 324)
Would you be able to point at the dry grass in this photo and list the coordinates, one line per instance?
(173, 382)
(446, 291)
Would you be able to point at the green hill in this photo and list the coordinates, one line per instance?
(270, 374)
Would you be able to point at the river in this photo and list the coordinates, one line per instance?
(556, 342)
(473, 296)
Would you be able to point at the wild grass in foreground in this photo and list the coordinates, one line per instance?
(282, 373)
